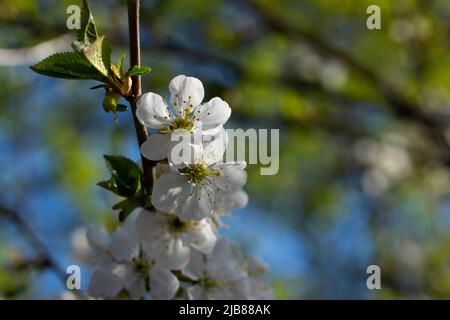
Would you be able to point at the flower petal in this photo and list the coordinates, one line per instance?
(198, 205)
(214, 145)
(201, 236)
(164, 285)
(231, 201)
(124, 244)
(173, 254)
(182, 152)
(104, 282)
(135, 285)
(196, 292)
(98, 239)
(185, 91)
(156, 146)
(196, 268)
(232, 177)
(214, 113)
(226, 261)
(170, 191)
(152, 111)
(150, 225)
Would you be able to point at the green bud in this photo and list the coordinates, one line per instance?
(111, 100)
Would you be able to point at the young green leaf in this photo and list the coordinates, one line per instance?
(88, 31)
(109, 185)
(67, 65)
(120, 64)
(99, 55)
(138, 71)
(126, 175)
(126, 207)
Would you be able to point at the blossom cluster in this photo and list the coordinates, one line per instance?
(173, 249)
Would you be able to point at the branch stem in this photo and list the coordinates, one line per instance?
(44, 255)
(135, 60)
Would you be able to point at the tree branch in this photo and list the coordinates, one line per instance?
(44, 255)
(135, 60)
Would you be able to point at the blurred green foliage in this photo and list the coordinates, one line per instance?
(363, 117)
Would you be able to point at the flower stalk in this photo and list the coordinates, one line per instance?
(135, 60)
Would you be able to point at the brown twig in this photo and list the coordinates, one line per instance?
(135, 60)
(44, 255)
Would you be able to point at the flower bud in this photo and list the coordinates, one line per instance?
(126, 86)
(110, 102)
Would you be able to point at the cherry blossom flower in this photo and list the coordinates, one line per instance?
(192, 190)
(125, 268)
(218, 275)
(259, 287)
(186, 114)
(173, 239)
(225, 273)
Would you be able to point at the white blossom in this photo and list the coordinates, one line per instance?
(173, 239)
(124, 268)
(192, 191)
(218, 275)
(226, 273)
(186, 114)
(259, 287)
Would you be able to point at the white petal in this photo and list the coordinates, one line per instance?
(232, 177)
(124, 244)
(226, 261)
(231, 201)
(104, 283)
(163, 284)
(197, 206)
(196, 292)
(196, 268)
(215, 146)
(152, 111)
(186, 90)
(135, 285)
(182, 152)
(201, 236)
(156, 146)
(170, 191)
(173, 254)
(151, 226)
(214, 113)
(97, 238)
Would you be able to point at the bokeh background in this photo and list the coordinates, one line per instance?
(364, 137)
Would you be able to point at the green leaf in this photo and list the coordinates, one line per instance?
(67, 65)
(88, 31)
(99, 55)
(138, 71)
(126, 207)
(108, 185)
(125, 174)
(120, 64)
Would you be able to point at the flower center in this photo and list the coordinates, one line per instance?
(195, 173)
(209, 283)
(142, 266)
(181, 121)
(175, 225)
